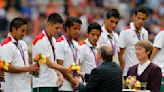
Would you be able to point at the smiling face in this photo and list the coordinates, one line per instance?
(93, 36)
(20, 32)
(139, 19)
(141, 53)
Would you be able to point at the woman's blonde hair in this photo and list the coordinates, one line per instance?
(147, 45)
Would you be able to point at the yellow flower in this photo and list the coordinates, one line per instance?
(42, 56)
(6, 66)
(127, 80)
(41, 61)
(73, 67)
(137, 84)
(73, 64)
(78, 68)
(129, 86)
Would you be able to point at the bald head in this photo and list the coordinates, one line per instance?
(106, 52)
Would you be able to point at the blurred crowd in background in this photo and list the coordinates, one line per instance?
(36, 12)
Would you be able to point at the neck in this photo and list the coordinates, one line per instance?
(48, 34)
(13, 35)
(138, 29)
(94, 45)
(68, 37)
(109, 31)
(143, 61)
(111, 34)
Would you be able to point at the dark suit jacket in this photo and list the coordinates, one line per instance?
(105, 78)
(152, 75)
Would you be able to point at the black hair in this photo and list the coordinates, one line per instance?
(70, 21)
(112, 13)
(141, 9)
(55, 18)
(94, 25)
(17, 22)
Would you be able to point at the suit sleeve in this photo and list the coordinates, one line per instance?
(93, 82)
(155, 81)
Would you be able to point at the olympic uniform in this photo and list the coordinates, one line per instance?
(88, 59)
(16, 53)
(68, 51)
(127, 40)
(47, 76)
(105, 38)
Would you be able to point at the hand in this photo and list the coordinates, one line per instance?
(76, 82)
(60, 80)
(2, 74)
(82, 74)
(33, 68)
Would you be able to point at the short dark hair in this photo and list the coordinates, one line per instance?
(141, 9)
(106, 52)
(113, 13)
(70, 21)
(94, 25)
(54, 18)
(17, 22)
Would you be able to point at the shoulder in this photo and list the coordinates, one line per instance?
(82, 45)
(60, 39)
(160, 33)
(127, 28)
(133, 67)
(95, 70)
(154, 66)
(38, 38)
(144, 30)
(6, 41)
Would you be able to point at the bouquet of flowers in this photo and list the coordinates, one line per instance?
(39, 59)
(74, 69)
(132, 83)
(3, 67)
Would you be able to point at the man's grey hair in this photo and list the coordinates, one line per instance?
(105, 51)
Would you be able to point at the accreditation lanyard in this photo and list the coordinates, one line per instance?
(113, 43)
(139, 36)
(92, 49)
(19, 46)
(52, 46)
(73, 49)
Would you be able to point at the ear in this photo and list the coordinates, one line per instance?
(48, 24)
(13, 29)
(133, 17)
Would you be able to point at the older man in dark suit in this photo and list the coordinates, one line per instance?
(105, 78)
